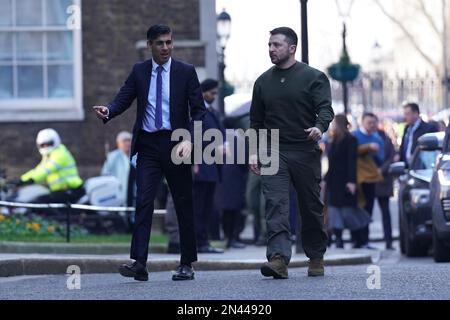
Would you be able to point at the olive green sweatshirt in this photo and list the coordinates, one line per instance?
(292, 100)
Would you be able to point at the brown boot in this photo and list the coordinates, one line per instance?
(315, 268)
(276, 268)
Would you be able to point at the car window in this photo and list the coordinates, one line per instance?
(425, 160)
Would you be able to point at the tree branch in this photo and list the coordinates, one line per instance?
(430, 19)
(410, 37)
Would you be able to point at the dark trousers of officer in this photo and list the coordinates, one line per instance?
(154, 160)
(203, 194)
(65, 196)
(303, 169)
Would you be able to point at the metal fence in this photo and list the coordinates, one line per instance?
(384, 95)
(381, 94)
(69, 208)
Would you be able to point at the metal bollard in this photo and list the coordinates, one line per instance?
(68, 210)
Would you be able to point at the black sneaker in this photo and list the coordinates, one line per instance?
(209, 249)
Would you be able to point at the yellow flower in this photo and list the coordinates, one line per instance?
(35, 226)
(2, 217)
(51, 229)
(18, 221)
(28, 225)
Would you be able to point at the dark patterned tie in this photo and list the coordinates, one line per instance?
(158, 112)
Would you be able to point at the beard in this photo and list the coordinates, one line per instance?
(279, 60)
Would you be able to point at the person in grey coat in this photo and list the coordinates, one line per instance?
(340, 179)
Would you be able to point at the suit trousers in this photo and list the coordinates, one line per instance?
(154, 160)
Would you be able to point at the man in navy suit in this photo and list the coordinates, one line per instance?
(168, 97)
(207, 175)
(414, 129)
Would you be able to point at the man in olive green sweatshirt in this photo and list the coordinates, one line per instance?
(295, 99)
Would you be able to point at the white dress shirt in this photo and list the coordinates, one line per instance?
(149, 118)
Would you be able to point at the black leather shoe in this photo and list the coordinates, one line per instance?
(209, 249)
(389, 246)
(135, 270)
(183, 272)
(261, 242)
(235, 245)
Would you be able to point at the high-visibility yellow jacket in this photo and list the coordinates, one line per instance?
(58, 169)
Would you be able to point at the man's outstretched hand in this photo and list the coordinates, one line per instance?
(102, 112)
(254, 164)
(184, 149)
(314, 133)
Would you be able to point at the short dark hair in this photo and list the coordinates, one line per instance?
(369, 114)
(414, 107)
(156, 30)
(209, 84)
(290, 34)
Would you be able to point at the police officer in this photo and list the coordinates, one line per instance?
(57, 168)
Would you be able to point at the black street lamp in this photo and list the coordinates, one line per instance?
(446, 77)
(223, 34)
(304, 21)
(305, 59)
(376, 80)
(344, 71)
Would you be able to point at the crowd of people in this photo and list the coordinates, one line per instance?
(358, 174)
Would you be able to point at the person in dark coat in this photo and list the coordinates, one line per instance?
(232, 191)
(205, 176)
(341, 184)
(384, 189)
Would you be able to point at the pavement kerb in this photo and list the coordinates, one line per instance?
(58, 265)
(73, 248)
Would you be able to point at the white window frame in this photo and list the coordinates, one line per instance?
(47, 109)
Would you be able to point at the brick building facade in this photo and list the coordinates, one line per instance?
(112, 36)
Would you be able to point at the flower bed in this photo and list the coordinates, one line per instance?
(34, 226)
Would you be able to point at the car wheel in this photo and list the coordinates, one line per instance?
(441, 252)
(402, 238)
(401, 231)
(413, 248)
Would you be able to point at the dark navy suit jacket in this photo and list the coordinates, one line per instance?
(186, 100)
(210, 172)
(423, 128)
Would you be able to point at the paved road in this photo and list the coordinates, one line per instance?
(400, 278)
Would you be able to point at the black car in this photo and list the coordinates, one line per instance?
(415, 218)
(440, 196)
